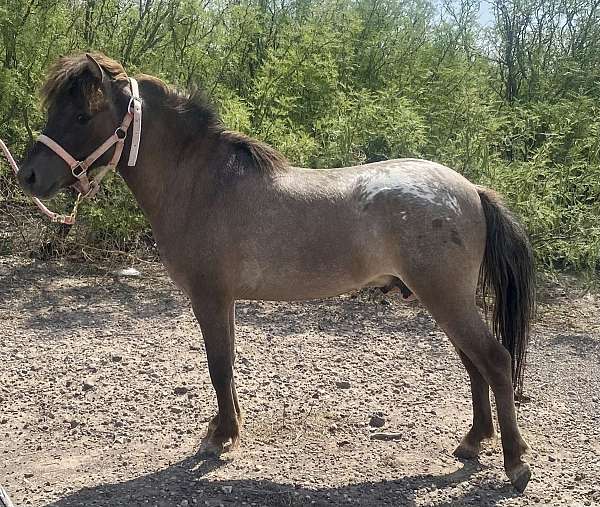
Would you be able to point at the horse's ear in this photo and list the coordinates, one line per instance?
(95, 68)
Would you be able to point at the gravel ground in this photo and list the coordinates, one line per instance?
(105, 395)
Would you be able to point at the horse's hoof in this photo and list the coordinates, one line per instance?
(466, 450)
(211, 447)
(215, 446)
(208, 448)
(519, 477)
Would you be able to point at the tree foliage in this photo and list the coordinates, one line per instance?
(511, 102)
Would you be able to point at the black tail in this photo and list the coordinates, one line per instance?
(508, 269)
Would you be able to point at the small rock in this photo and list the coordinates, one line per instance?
(343, 384)
(227, 489)
(115, 358)
(551, 458)
(127, 272)
(377, 421)
(386, 436)
(88, 385)
(28, 475)
(73, 423)
(180, 390)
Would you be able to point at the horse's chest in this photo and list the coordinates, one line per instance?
(176, 264)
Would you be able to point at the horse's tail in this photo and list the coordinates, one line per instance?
(508, 270)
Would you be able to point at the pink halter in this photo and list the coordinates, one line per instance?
(79, 168)
(87, 189)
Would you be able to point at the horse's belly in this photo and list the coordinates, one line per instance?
(296, 292)
(298, 284)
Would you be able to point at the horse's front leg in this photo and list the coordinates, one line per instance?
(215, 316)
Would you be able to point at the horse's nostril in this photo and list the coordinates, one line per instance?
(30, 180)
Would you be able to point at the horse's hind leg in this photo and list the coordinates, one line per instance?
(488, 360)
(464, 326)
(483, 426)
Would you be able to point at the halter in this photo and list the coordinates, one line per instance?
(79, 168)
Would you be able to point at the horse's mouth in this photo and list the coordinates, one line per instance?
(43, 193)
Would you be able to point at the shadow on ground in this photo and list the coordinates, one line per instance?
(581, 344)
(95, 295)
(186, 482)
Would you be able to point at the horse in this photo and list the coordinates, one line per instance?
(232, 220)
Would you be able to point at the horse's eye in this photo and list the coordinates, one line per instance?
(82, 118)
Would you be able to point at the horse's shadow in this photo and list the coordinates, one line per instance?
(50, 307)
(185, 483)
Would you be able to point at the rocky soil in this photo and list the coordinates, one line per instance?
(105, 395)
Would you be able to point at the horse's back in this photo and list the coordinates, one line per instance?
(355, 226)
(415, 183)
(418, 200)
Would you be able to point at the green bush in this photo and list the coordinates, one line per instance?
(341, 82)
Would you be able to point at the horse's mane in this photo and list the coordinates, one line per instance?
(201, 116)
(194, 108)
(71, 71)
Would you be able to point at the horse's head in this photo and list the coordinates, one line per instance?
(86, 98)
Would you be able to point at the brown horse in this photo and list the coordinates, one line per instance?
(233, 220)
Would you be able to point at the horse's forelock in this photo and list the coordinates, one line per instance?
(72, 71)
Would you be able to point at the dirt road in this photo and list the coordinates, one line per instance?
(105, 395)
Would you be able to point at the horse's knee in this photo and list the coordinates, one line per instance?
(494, 364)
(488, 356)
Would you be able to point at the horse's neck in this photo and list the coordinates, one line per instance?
(161, 172)
(147, 179)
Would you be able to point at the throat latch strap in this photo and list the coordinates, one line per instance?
(135, 108)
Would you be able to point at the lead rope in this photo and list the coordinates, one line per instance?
(54, 217)
(4, 498)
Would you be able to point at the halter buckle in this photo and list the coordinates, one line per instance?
(121, 133)
(82, 170)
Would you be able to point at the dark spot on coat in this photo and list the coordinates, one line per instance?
(455, 237)
(437, 223)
